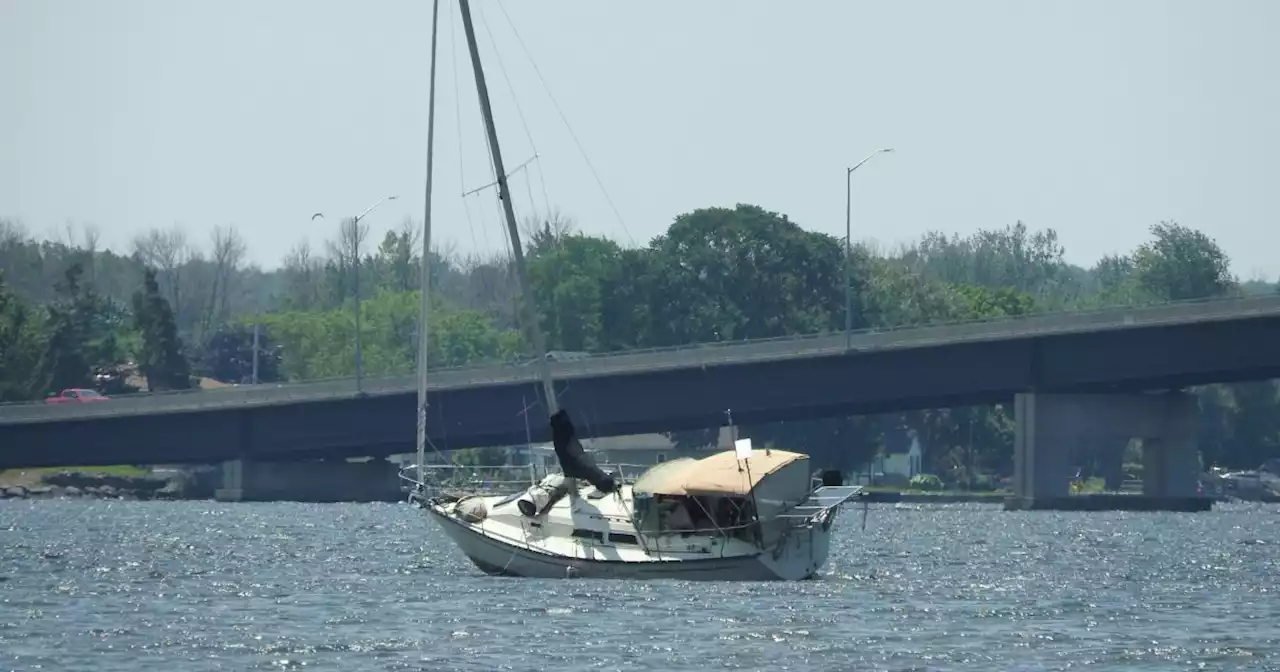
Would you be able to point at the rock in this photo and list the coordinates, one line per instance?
(86, 481)
(16, 492)
(39, 491)
(72, 491)
(107, 492)
(172, 490)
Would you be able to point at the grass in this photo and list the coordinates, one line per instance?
(33, 476)
(911, 491)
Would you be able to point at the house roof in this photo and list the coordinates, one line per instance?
(898, 440)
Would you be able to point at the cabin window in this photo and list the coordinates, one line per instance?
(589, 534)
(623, 538)
(676, 514)
(732, 515)
(662, 457)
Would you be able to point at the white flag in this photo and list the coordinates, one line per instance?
(743, 448)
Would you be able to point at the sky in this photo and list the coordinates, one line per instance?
(1093, 117)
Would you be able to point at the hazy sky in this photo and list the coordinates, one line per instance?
(1095, 117)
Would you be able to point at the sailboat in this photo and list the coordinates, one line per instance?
(743, 513)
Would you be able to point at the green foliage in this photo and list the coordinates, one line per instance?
(926, 482)
(19, 347)
(228, 355)
(480, 457)
(1180, 264)
(716, 274)
(321, 344)
(160, 359)
(1012, 258)
(81, 329)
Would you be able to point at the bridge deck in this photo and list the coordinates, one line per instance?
(685, 357)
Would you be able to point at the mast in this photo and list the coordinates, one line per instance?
(425, 304)
(528, 313)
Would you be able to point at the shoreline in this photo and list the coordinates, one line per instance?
(116, 484)
(187, 486)
(200, 484)
(921, 497)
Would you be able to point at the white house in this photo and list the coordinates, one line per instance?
(901, 456)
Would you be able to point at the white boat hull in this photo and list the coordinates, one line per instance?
(798, 557)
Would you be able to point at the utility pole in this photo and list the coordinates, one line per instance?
(257, 327)
(848, 246)
(355, 281)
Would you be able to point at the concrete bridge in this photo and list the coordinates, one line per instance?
(1121, 350)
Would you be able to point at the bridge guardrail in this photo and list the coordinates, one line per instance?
(634, 361)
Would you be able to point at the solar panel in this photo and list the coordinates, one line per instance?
(825, 497)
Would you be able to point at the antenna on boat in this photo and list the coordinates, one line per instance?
(425, 289)
(742, 450)
(733, 437)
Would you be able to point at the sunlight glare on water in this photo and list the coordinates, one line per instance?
(193, 586)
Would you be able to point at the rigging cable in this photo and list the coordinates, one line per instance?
(546, 201)
(457, 120)
(563, 118)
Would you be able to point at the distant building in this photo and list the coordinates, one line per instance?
(635, 449)
(901, 456)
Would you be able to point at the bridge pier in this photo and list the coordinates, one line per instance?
(1049, 427)
(246, 480)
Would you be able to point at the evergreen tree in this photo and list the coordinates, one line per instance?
(65, 362)
(19, 347)
(160, 358)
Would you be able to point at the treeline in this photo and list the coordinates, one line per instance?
(717, 274)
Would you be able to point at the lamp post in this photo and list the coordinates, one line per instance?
(355, 266)
(848, 246)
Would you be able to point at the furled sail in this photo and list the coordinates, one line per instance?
(574, 461)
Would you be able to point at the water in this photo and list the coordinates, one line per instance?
(124, 586)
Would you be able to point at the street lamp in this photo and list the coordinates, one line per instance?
(848, 246)
(355, 266)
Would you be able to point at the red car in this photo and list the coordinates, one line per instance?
(76, 395)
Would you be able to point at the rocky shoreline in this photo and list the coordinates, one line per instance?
(177, 485)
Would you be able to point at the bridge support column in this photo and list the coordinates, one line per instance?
(376, 480)
(1050, 426)
(1111, 456)
(232, 489)
(1170, 467)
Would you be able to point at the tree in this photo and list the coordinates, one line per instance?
(19, 347)
(1255, 436)
(1181, 264)
(160, 358)
(727, 275)
(571, 275)
(228, 355)
(81, 329)
(492, 456)
(716, 274)
(1010, 258)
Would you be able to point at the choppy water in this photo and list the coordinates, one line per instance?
(116, 586)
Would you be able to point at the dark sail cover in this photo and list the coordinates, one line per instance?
(574, 461)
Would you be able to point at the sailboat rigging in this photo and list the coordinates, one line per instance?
(424, 306)
(737, 514)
